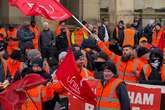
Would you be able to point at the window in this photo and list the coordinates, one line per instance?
(73, 7)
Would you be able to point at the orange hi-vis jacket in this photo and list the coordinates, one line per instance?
(128, 71)
(129, 37)
(107, 98)
(13, 42)
(14, 66)
(143, 60)
(36, 31)
(37, 95)
(147, 71)
(85, 73)
(78, 36)
(58, 32)
(156, 37)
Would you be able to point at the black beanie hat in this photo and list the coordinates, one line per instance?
(16, 55)
(36, 62)
(77, 54)
(142, 51)
(111, 66)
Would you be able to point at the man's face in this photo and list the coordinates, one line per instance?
(107, 74)
(157, 27)
(81, 61)
(46, 26)
(143, 44)
(127, 51)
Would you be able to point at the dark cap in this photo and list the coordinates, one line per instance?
(110, 66)
(158, 24)
(36, 62)
(142, 51)
(16, 55)
(157, 53)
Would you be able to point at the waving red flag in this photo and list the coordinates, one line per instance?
(50, 9)
(70, 78)
(13, 97)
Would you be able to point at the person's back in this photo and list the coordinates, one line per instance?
(129, 37)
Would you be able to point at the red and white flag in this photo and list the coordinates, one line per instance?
(70, 78)
(50, 9)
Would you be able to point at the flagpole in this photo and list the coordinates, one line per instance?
(94, 35)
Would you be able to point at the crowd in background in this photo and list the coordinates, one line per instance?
(138, 53)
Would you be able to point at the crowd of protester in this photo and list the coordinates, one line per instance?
(132, 53)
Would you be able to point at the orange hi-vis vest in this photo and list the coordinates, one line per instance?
(3, 32)
(36, 31)
(147, 71)
(37, 95)
(78, 36)
(12, 44)
(129, 37)
(13, 66)
(128, 71)
(85, 33)
(156, 37)
(85, 73)
(107, 98)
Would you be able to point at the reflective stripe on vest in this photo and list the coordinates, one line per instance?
(110, 101)
(145, 71)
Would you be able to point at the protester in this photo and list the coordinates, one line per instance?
(127, 65)
(47, 42)
(118, 33)
(81, 63)
(33, 27)
(111, 91)
(25, 35)
(158, 37)
(13, 42)
(5, 76)
(62, 37)
(154, 71)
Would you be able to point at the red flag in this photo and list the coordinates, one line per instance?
(13, 97)
(70, 78)
(50, 9)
